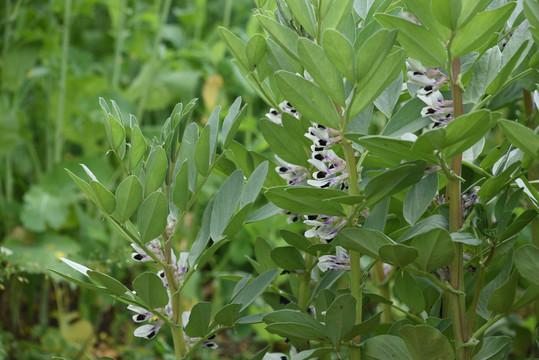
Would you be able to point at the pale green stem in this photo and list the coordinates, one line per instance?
(478, 287)
(304, 292)
(456, 268)
(58, 141)
(355, 269)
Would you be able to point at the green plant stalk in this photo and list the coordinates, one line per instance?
(478, 287)
(355, 269)
(456, 268)
(177, 326)
(487, 325)
(304, 292)
(58, 141)
(165, 9)
(118, 47)
(446, 287)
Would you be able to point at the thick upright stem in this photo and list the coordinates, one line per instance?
(58, 141)
(380, 277)
(355, 268)
(304, 286)
(456, 269)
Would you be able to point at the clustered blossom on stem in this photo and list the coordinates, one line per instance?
(179, 268)
(438, 110)
(339, 261)
(150, 330)
(275, 116)
(153, 246)
(323, 227)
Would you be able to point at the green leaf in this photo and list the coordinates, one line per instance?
(180, 192)
(232, 122)
(105, 199)
(235, 224)
(447, 12)
(406, 119)
(138, 147)
(312, 353)
(527, 263)
(503, 297)
(43, 208)
(199, 320)
(365, 241)
(252, 290)
(115, 131)
(255, 50)
(495, 184)
(187, 152)
(228, 314)
(340, 52)
(151, 291)
(419, 43)
(152, 216)
(477, 32)
(500, 278)
(423, 11)
(432, 222)
(521, 136)
(365, 327)
(425, 342)
(388, 71)
(397, 254)
(296, 320)
(465, 238)
(520, 223)
(283, 142)
(288, 258)
(419, 198)
(202, 152)
(372, 53)
(235, 45)
(494, 348)
(466, 131)
(128, 198)
(203, 236)
(296, 240)
(436, 249)
(409, 292)
(225, 203)
(394, 180)
(304, 13)
(322, 70)
(485, 71)
(389, 97)
(531, 9)
(114, 287)
(308, 99)
(336, 16)
(260, 355)
(469, 9)
(254, 184)
(80, 283)
(340, 318)
(384, 347)
(156, 170)
(305, 205)
(285, 37)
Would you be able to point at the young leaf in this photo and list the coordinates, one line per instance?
(232, 122)
(390, 149)
(372, 53)
(115, 287)
(187, 152)
(502, 298)
(447, 12)
(363, 240)
(235, 45)
(285, 37)
(152, 216)
(340, 52)
(436, 249)
(304, 13)
(284, 143)
(425, 342)
(225, 203)
(254, 184)
(105, 199)
(228, 314)
(138, 147)
(419, 197)
(252, 290)
(485, 71)
(305, 205)
(156, 170)
(202, 152)
(199, 320)
(151, 291)
(476, 33)
(255, 50)
(322, 70)
(397, 254)
(418, 42)
(213, 124)
(336, 16)
(180, 192)
(308, 99)
(128, 198)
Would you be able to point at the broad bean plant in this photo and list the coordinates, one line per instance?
(413, 193)
(385, 127)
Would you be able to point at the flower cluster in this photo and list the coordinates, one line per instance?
(179, 269)
(150, 330)
(189, 341)
(438, 110)
(153, 246)
(275, 116)
(340, 261)
(323, 227)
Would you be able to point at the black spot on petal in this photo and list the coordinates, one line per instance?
(312, 217)
(322, 142)
(151, 335)
(319, 157)
(137, 257)
(320, 174)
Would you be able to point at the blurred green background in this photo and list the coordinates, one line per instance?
(57, 58)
